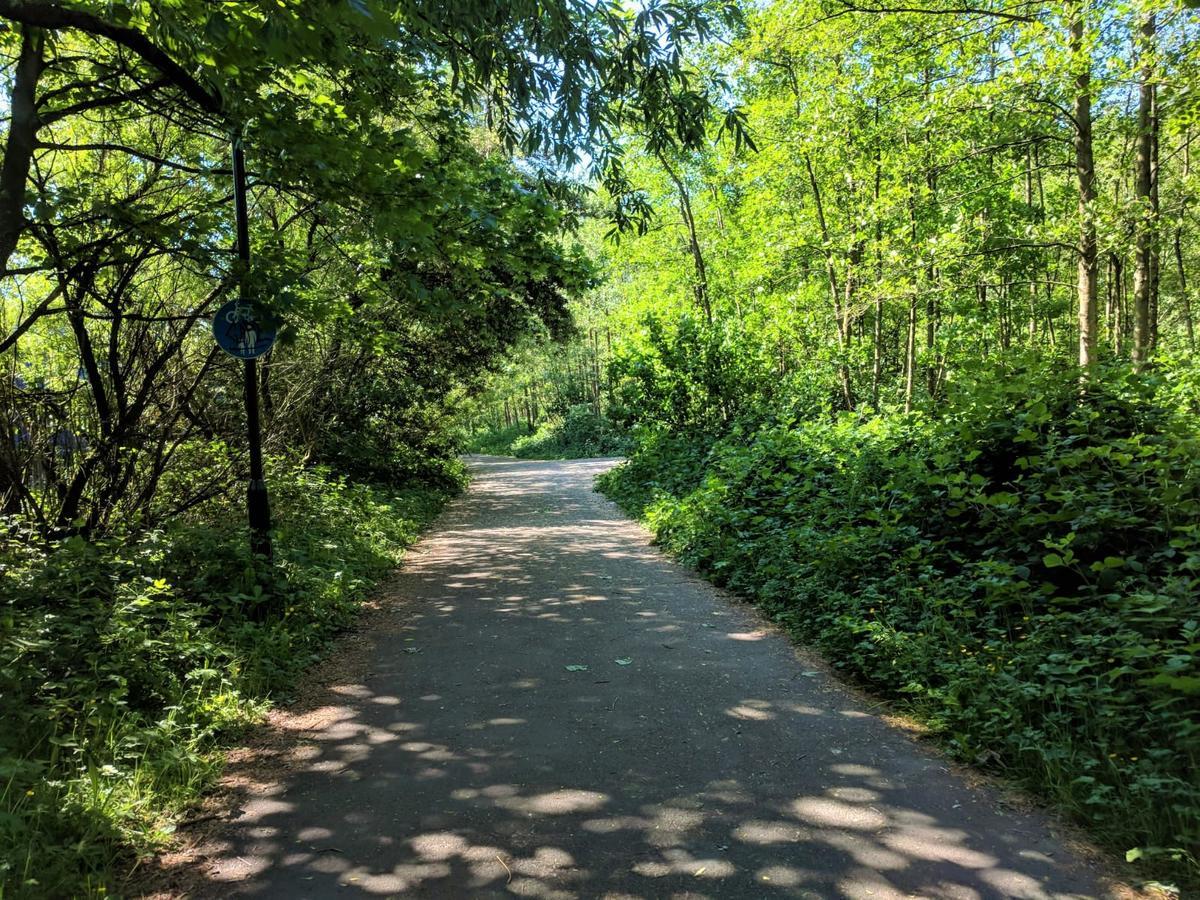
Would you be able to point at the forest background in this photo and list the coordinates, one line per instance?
(916, 373)
(887, 303)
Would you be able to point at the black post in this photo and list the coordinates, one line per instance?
(258, 505)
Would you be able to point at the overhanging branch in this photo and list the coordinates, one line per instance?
(54, 16)
(939, 11)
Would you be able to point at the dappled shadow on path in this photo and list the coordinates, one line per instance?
(693, 757)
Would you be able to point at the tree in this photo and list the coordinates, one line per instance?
(1146, 194)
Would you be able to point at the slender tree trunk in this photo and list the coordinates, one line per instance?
(1155, 234)
(1147, 211)
(1110, 302)
(877, 351)
(1005, 317)
(910, 354)
(1048, 284)
(265, 367)
(1033, 295)
(834, 292)
(596, 370)
(21, 140)
(1184, 299)
(981, 291)
(700, 281)
(1120, 315)
(931, 313)
(931, 271)
(1085, 171)
(1031, 326)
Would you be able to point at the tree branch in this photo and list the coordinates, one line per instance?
(48, 118)
(949, 10)
(131, 151)
(42, 309)
(51, 15)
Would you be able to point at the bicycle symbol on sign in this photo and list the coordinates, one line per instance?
(239, 332)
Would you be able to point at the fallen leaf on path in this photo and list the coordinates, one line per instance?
(576, 668)
(624, 661)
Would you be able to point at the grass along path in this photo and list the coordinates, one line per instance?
(552, 708)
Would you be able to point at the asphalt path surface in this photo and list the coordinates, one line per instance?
(554, 709)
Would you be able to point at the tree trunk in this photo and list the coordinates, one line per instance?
(847, 385)
(596, 371)
(265, 367)
(1085, 171)
(700, 282)
(910, 355)
(1155, 224)
(877, 352)
(1184, 299)
(19, 145)
(931, 309)
(877, 323)
(1147, 211)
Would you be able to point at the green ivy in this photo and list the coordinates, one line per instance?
(1023, 571)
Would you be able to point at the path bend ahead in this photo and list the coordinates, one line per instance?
(467, 761)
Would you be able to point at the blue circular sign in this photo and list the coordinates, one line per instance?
(240, 330)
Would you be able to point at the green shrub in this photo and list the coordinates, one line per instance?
(498, 442)
(1022, 571)
(579, 434)
(125, 662)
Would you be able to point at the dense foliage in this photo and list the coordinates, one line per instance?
(915, 372)
(910, 285)
(409, 224)
(127, 661)
(577, 434)
(549, 397)
(113, 384)
(1022, 571)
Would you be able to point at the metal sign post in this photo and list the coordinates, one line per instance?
(240, 333)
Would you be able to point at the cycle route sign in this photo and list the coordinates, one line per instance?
(242, 331)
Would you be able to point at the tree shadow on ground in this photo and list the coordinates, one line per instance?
(693, 757)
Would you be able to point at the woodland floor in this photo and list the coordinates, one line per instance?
(542, 705)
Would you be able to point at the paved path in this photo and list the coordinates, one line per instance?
(696, 756)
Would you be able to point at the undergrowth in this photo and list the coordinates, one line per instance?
(127, 662)
(578, 434)
(1022, 571)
